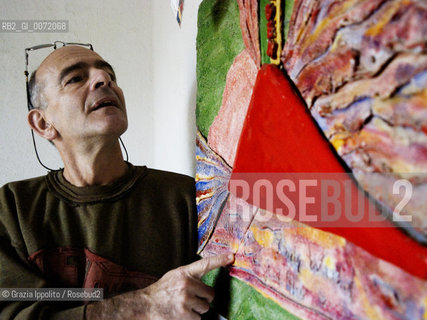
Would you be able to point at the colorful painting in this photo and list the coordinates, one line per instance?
(177, 8)
(312, 157)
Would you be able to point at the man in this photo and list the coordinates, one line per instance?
(99, 222)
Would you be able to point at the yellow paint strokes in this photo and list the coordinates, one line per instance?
(398, 140)
(299, 35)
(412, 88)
(206, 160)
(337, 42)
(385, 107)
(204, 196)
(381, 131)
(278, 23)
(370, 309)
(385, 18)
(234, 246)
(324, 239)
(423, 97)
(201, 177)
(338, 140)
(310, 281)
(379, 125)
(263, 237)
(306, 277)
(329, 261)
(425, 308)
(324, 24)
(239, 263)
(201, 221)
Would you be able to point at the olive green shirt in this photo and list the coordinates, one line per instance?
(146, 222)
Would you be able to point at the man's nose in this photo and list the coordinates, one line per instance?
(100, 78)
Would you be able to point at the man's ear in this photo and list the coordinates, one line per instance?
(37, 121)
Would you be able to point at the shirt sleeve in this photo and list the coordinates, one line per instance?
(16, 272)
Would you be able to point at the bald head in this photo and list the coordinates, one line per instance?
(35, 89)
(76, 98)
(54, 63)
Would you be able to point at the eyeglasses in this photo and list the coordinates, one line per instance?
(54, 45)
(30, 106)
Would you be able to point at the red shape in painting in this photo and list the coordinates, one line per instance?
(280, 136)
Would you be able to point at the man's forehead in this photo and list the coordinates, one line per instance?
(66, 56)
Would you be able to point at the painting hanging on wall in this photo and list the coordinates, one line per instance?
(177, 9)
(312, 156)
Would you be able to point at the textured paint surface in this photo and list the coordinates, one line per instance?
(219, 40)
(231, 228)
(314, 274)
(301, 266)
(311, 273)
(287, 6)
(263, 31)
(270, 143)
(248, 303)
(224, 132)
(248, 11)
(212, 176)
(360, 68)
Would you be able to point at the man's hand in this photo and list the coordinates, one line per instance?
(179, 294)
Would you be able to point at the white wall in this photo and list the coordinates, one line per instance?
(174, 82)
(154, 61)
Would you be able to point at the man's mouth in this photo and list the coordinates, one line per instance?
(105, 102)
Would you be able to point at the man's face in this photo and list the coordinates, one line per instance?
(82, 96)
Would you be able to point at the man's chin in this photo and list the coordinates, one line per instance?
(114, 127)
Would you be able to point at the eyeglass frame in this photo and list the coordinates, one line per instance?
(26, 73)
(43, 46)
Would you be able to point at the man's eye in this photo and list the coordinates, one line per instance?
(74, 80)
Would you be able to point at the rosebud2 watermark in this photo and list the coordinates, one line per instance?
(321, 199)
(51, 294)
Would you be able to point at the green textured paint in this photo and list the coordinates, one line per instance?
(219, 41)
(289, 6)
(263, 31)
(236, 300)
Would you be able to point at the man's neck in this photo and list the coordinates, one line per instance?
(99, 167)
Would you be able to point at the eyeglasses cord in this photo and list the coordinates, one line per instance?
(46, 167)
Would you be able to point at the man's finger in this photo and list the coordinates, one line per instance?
(198, 305)
(199, 268)
(201, 290)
